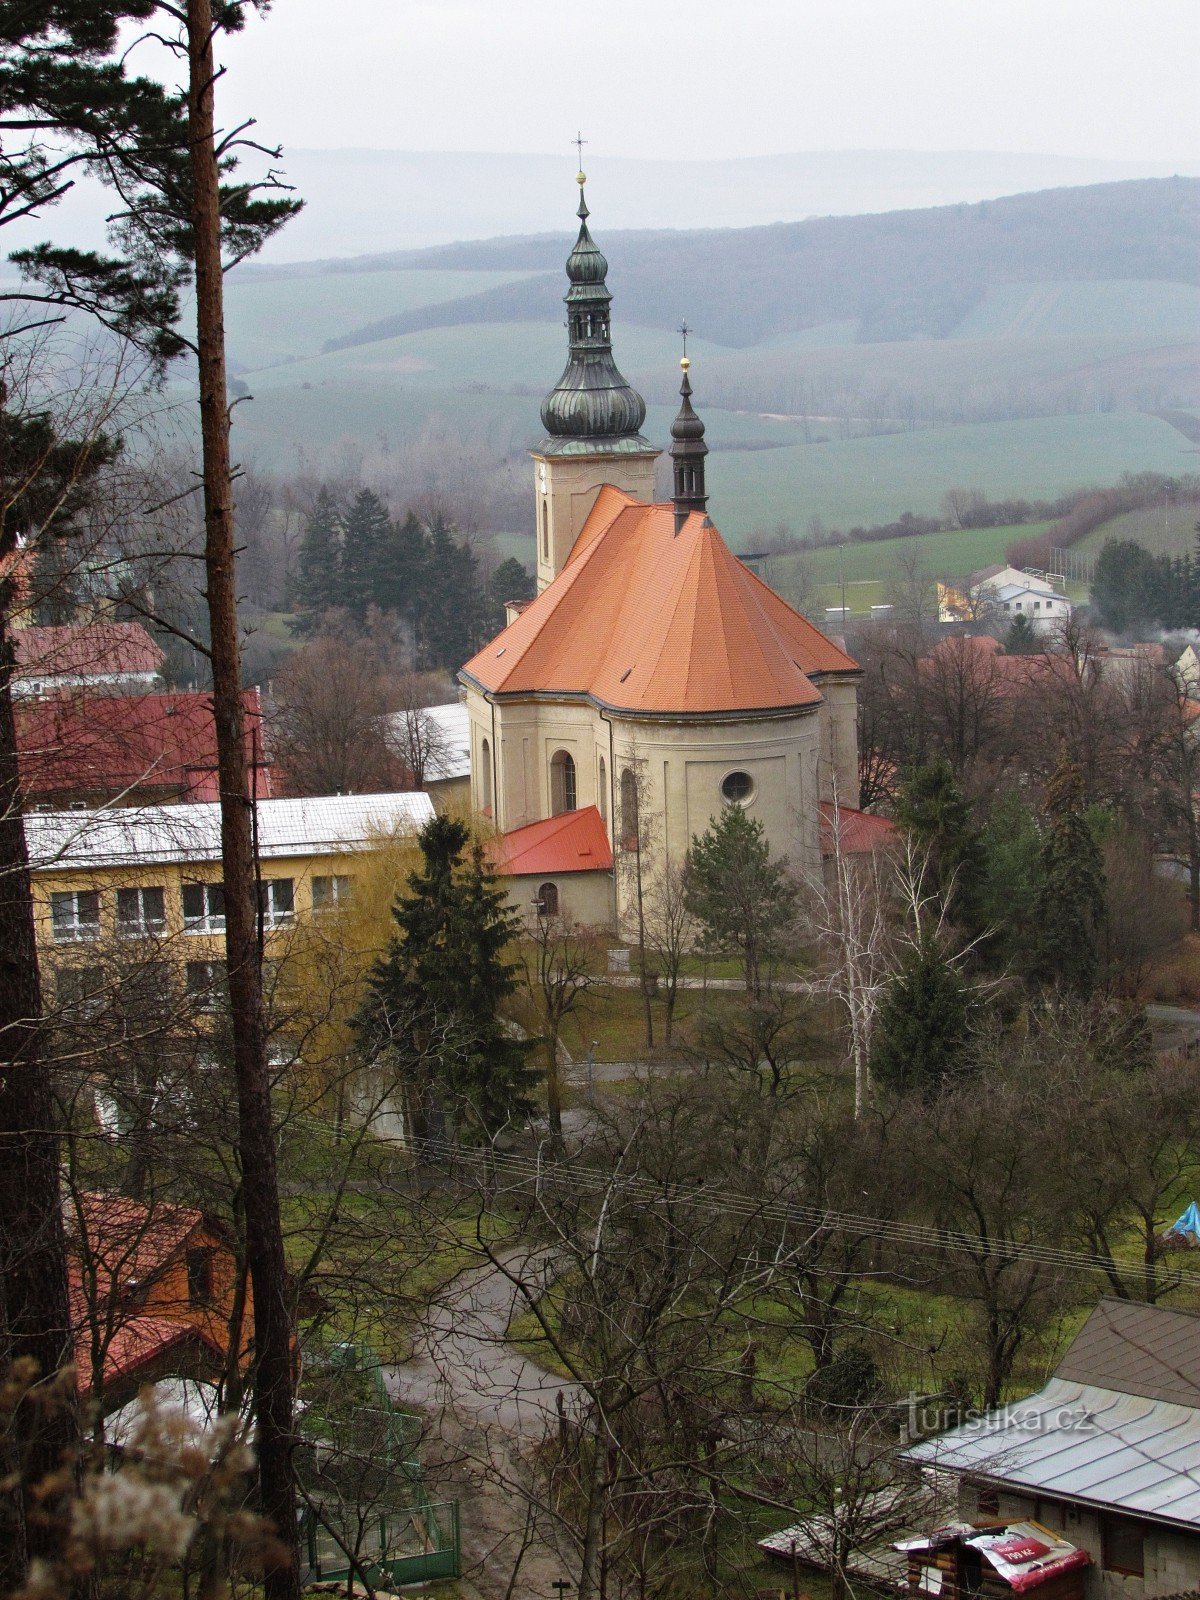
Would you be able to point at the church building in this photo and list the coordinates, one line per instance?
(654, 679)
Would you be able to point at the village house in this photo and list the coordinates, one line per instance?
(155, 1292)
(83, 748)
(1103, 1457)
(1002, 594)
(128, 877)
(119, 657)
(654, 676)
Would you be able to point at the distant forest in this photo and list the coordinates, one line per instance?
(899, 275)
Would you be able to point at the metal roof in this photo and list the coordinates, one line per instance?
(135, 835)
(1076, 1441)
(1138, 1349)
(453, 724)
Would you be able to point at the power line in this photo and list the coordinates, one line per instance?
(907, 1235)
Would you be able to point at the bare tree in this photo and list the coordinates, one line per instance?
(328, 721)
(415, 737)
(560, 970)
(670, 931)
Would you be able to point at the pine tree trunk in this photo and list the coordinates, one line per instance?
(273, 1388)
(34, 1310)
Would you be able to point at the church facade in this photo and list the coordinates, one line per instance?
(654, 679)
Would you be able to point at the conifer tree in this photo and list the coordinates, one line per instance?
(934, 811)
(366, 539)
(744, 901)
(435, 995)
(510, 581)
(318, 585)
(404, 569)
(1071, 890)
(1020, 639)
(922, 1023)
(448, 622)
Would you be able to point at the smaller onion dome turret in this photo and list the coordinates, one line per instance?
(591, 408)
(688, 451)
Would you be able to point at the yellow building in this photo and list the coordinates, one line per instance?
(147, 881)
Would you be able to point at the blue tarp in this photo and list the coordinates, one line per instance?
(1188, 1225)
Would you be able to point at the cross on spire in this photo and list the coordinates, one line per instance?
(579, 141)
(685, 330)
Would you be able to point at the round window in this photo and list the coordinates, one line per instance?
(737, 787)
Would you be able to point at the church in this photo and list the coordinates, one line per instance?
(654, 679)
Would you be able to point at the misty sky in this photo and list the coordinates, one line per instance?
(678, 78)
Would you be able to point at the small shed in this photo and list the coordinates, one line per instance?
(963, 1560)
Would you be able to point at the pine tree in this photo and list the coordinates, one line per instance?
(1020, 639)
(744, 901)
(366, 541)
(449, 622)
(922, 1024)
(434, 997)
(933, 809)
(318, 584)
(405, 569)
(1071, 890)
(510, 581)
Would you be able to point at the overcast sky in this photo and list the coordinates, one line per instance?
(678, 78)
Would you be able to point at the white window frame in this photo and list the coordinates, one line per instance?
(209, 921)
(271, 893)
(339, 890)
(210, 998)
(142, 924)
(73, 929)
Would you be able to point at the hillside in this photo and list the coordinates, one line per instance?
(899, 275)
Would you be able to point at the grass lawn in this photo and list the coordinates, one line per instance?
(1166, 530)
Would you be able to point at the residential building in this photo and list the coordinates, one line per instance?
(107, 881)
(654, 673)
(83, 748)
(1104, 1455)
(1000, 594)
(120, 657)
(153, 1292)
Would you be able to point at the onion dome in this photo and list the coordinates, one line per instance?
(592, 408)
(688, 451)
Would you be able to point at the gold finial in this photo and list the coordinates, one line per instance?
(685, 362)
(581, 178)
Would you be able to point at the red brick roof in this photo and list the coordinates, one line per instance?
(84, 650)
(859, 831)
(574, 841)
(142, 745)
(642, 619)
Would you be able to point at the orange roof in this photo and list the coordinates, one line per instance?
(574, 841)
(643, 620)
(858, 831)
(94, 649)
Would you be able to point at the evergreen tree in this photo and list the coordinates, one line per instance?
(933, 809)
(318, 583)
(434, 996)
(510, 581)
(405, 570)
(922, 1024)
(450, 616)
(743, 900)
(1020, 639)
(366, 544)
(1071, 887)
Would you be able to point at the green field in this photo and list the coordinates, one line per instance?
(270, 319)
(870, 570)
(1165, 530)
(1118, 306)
(851, 481)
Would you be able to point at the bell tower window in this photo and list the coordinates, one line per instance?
(545, 530)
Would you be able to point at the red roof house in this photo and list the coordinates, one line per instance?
(104, 749)
(110, 655)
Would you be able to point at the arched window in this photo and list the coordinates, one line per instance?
(603, 791)
(562, 782)
(545, 530)
(547, 900)
(629, 809)
(485, 778)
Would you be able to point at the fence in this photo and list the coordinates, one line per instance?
(415, 1545)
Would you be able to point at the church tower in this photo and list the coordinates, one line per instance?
(592, 416)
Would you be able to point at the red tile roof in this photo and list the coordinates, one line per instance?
(644, 620)
(83, 650)
(859, 831)
(144, 746)
(574, 841)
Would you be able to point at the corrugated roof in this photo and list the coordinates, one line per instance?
(1117, 1426)
(134, 835)
(642, 619)
(574, 841)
